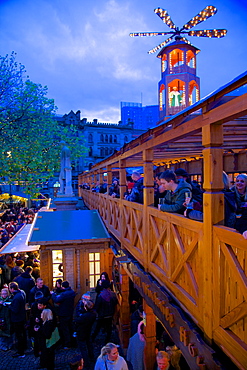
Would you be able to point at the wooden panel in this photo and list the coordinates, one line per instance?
(69, 266)
(46, 267)
(230, 281)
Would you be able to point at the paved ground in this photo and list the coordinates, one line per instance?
(62, 359)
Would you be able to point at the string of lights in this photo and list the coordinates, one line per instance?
(206, 13)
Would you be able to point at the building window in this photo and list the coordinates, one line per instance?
(115, 138)
(57, 265)
(126, 139)
(90, 151)
(106, 138)
(102, 138)
(102, 152)
(94, 269)
(110, 139)
(90, 138)
(106, 151)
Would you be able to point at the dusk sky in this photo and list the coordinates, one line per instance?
(82, 51)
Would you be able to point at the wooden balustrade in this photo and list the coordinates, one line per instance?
(202, 265)
(175, 248)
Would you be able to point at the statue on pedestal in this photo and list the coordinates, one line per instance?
(65, 176)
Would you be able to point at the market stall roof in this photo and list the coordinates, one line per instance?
(19, 242)
(63, 227)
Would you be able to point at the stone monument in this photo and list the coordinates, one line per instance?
(66, 199)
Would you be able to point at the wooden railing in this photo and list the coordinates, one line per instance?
(167, 245)
(230, 293)
(172, 248)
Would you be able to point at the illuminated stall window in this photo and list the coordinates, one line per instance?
(94, 269)
(190, 59)
(57, 265)
(176, 90)
(176, 58)
(193, 92)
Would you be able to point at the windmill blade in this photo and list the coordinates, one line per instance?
(150, 34)
(208, 33)
(163, 14)
(160, 45)
(185, 40)
(206, 13)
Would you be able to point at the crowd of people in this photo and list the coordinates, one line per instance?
(12, 220)
(37, 319)
(175, 192)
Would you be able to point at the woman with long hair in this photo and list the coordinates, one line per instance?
(47, 357)
(110, 359)
(240, 190)
(103, 276)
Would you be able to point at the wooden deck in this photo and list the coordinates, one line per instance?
(203, 265)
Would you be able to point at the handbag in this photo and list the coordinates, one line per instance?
(53, 339)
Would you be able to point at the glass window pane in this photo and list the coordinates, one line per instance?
(97, 267)
(57, 256)
(91, 268)
(91, 256)
(97, 256)
(91, 281)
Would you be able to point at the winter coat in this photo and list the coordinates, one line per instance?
(135, 352)
(16, 271)
(230, 210)
(106, 303)
(45, 290)
(136, 194)
(84, 323)
(241, 223)
(65, 301)
(173, 201)
(17, 307)
(5, 315)
(26, 282)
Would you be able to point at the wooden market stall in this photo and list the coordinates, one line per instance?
(71, 244)
(201, 266)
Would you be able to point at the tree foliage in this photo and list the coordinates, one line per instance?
(29, 132)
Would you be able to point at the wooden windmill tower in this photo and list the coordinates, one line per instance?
(179, 86)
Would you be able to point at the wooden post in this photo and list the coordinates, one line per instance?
(148, 191)
(122, 177)
(124, 319)
(101, 176)
(148, 196)
(213, 213)
(150, 333)
(109, 177)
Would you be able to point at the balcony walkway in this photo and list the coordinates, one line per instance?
(201, 265)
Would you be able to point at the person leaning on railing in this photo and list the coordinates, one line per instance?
(230, 205)
(176, 193)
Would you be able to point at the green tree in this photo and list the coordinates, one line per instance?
(29, 133)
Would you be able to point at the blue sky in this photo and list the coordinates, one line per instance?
(82, 51)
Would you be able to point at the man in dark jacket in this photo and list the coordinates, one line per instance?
(84, 322)
(25, 281)
(105, 307)
(39, 287)
(136, 194)
(176, 193)
(65, 299)
(18, 317)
